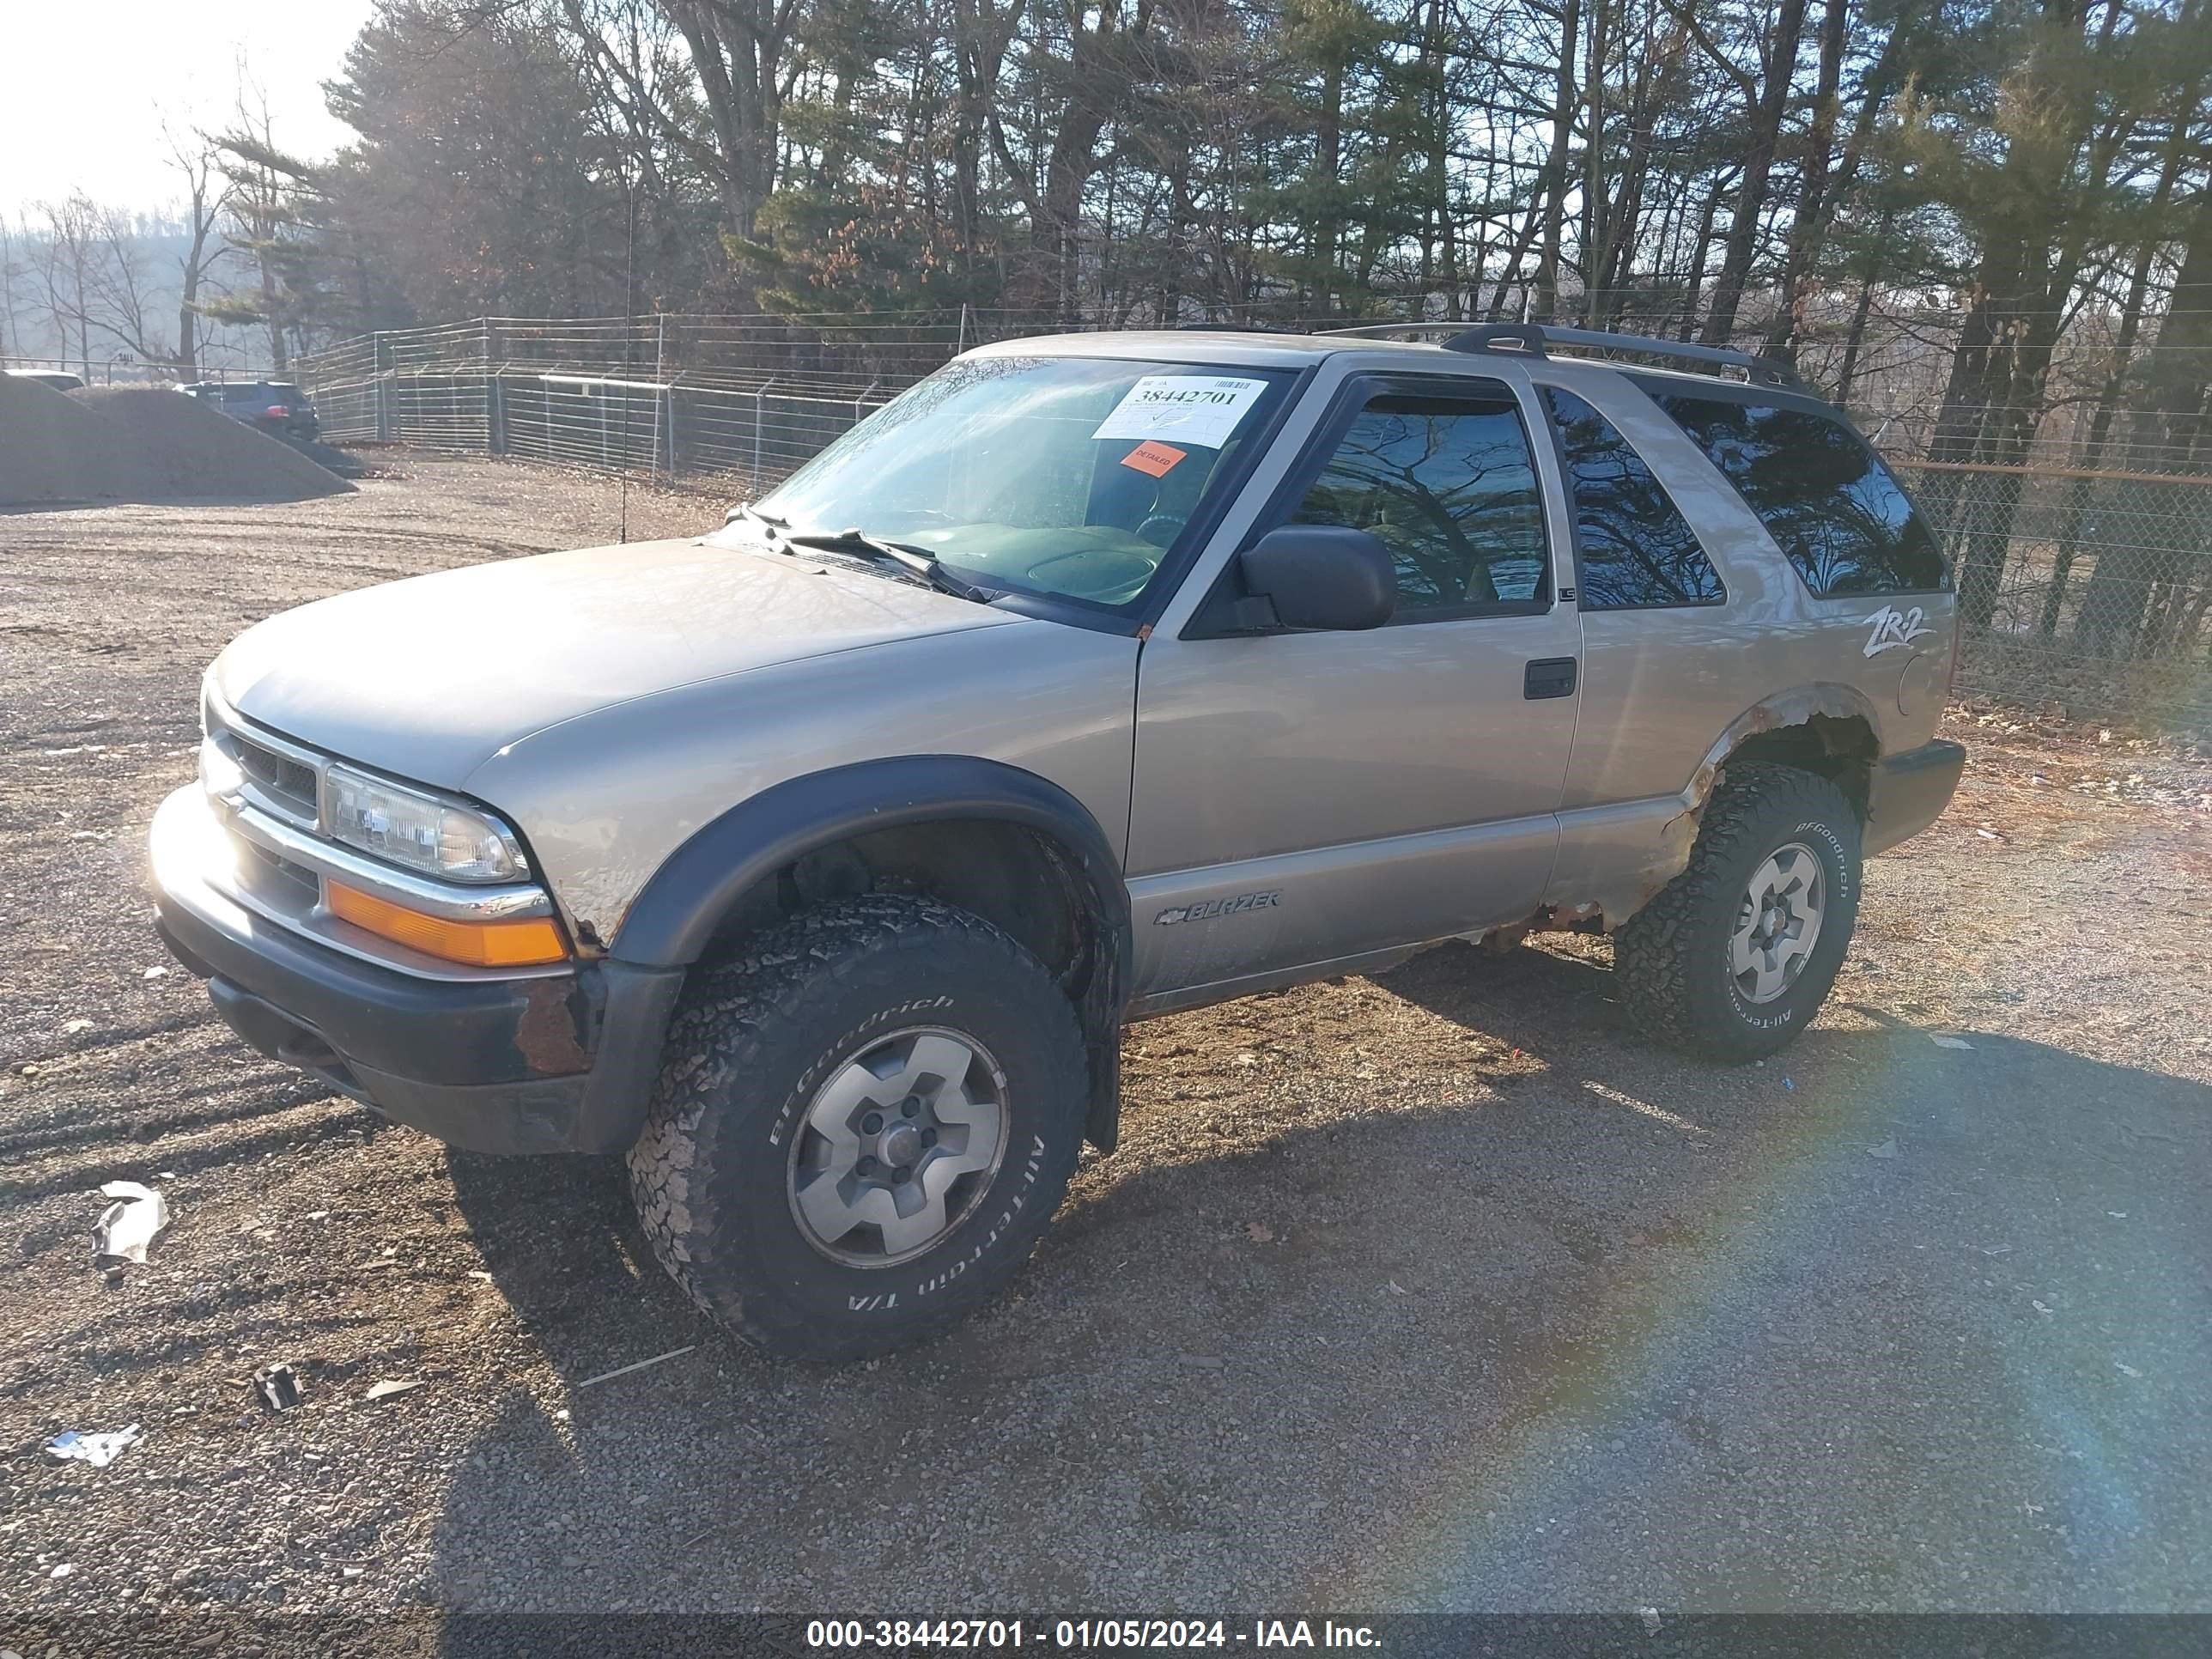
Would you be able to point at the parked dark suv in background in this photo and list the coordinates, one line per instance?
(277, 407)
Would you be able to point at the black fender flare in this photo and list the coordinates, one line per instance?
(672, 921)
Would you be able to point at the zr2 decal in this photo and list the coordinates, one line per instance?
(1889, 628)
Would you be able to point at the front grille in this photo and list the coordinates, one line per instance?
(285, 780)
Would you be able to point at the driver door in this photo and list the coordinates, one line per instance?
(1307, 797)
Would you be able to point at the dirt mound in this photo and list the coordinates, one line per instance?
(178, 445)
(140, 443)
(50, 448)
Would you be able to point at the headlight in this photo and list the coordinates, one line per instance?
(424, 832)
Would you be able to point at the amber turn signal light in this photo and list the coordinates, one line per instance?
(479, 943)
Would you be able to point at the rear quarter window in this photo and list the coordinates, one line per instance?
(1635, 549)
(1834, 509)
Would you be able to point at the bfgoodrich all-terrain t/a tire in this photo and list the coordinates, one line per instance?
(864, 1123)
(1735, 955)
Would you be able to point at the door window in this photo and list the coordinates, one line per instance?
(1449, 486)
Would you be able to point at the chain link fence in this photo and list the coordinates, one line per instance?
(2101, 575)
(739, 401)
(2103, 580)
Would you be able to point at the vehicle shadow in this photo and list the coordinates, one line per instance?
(1877, 1325)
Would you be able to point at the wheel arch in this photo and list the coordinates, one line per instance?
(1008, 845)
(1828, 728)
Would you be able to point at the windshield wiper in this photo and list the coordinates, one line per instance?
(919, 560)
(775, 521)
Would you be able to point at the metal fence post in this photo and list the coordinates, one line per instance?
(494, 439)
(760, 408)
(660, 382)
(383, 404)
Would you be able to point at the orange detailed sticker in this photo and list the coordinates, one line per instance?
(1154, 459)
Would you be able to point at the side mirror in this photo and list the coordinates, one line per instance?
(1318, 575)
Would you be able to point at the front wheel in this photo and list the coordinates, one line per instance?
(863, 1126)
(1735, 955)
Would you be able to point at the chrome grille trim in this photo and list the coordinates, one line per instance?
(283, 903)
(282, 863)
(328, 860)
(262, 757)
(295, 783)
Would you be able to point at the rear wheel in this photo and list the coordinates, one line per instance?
(863, 1126)
(1735, 955)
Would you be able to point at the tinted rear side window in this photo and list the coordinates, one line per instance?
(1830, 504)
(1637, 549)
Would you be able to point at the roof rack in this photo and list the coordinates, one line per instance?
(1484, 336)
(1534, 339)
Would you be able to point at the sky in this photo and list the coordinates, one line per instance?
(89, 83)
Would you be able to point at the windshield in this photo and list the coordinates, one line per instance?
(1065, 475)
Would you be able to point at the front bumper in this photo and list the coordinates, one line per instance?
(1908, 792)
(550, 1062)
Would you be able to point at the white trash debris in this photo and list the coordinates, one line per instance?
(624, 1370)
(1887, 1149)
(278, 1387)
(128, 1225)
(97, 1450)
(391, 1386)
(2126, 1369)
(1950, 1043)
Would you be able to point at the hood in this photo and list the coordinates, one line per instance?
(428, 678)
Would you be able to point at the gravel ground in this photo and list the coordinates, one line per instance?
(1435, 1290)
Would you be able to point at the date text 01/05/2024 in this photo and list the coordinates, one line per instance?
(1082, 1634)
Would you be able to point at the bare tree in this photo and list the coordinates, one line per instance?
(119, 286)
(13, 275)
(66, 259)
(206, 199)
(1768, 101)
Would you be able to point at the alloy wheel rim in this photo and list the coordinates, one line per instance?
(1778, 923)
(898, 1146)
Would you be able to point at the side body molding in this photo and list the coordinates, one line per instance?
(675, 918)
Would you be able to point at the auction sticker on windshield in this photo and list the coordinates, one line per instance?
(1154, 460)
(1199, 411)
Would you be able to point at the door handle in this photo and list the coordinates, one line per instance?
(1549, 676)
